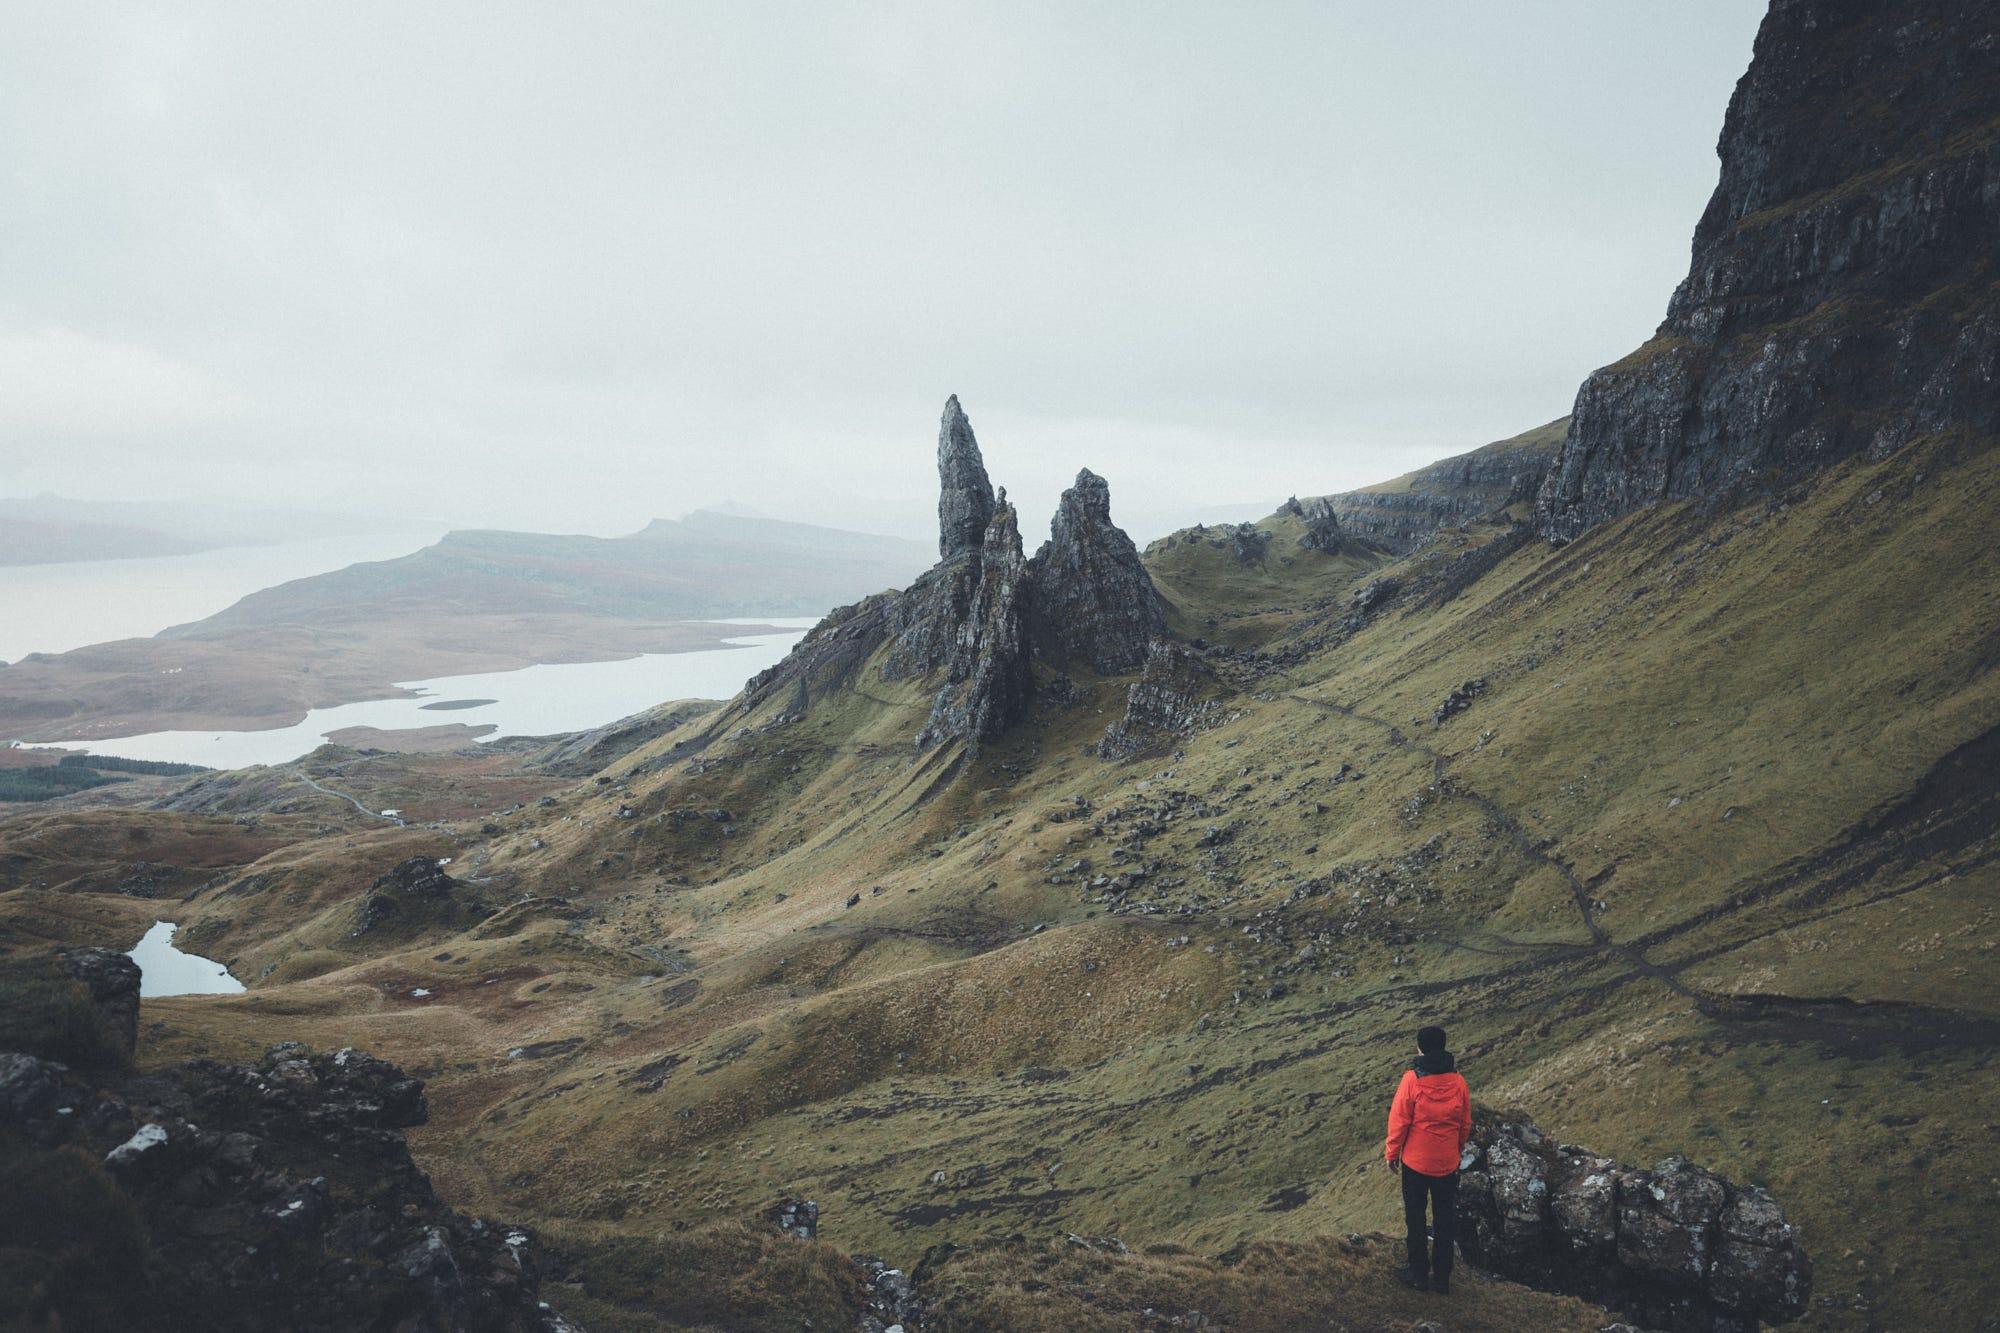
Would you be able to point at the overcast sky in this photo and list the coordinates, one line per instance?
(567, 267)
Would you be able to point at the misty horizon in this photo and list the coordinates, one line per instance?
(570, 273)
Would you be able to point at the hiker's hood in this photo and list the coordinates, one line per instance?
(1440, 1063)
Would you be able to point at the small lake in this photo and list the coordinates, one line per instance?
(165, 970)
(533, 701)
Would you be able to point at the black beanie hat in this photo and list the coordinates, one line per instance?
(1430, 1040)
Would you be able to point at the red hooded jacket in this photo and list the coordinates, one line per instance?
(1429, 1122)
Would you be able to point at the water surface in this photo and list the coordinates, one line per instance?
(532, 701)
(165, 970)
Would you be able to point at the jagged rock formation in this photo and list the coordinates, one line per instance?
(246, 1198)
(987, 677)
(1322, 524)
(924, 621)
(1093, 601)
(965, 495)
(1677, 1247)
(1402, 514)
(1842, 296)
(1166, 702)
(984, 614)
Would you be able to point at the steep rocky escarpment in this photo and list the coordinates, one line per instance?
(1677, 1247)
(1842, 297)
(1402, 514)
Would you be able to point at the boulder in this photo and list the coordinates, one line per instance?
(1676, 1247)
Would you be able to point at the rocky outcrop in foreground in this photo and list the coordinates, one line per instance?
(112, 979)
(1675, 1248)
(248, 1198)
(1844, 295)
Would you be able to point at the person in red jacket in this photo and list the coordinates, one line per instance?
(1429, 1122)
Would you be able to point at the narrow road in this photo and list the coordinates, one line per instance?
(328, 791)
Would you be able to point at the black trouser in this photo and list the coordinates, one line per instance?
(1442, 1193)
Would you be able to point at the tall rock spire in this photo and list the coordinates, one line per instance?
(965, 496)
(984, 615)
(989, 677)
(1094, 603)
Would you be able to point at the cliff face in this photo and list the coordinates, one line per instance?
(1402, 514)
(1842, 296)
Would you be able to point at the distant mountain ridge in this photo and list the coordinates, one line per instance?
(55, 529)
(703, 565)
(473, 601)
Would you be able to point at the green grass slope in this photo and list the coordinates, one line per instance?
(1706, 865)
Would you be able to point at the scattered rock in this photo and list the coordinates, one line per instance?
(795, 1217)
(1459, 699)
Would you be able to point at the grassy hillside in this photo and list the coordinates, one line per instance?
(1706, 865)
